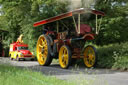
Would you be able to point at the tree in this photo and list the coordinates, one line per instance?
(115, 25)
(18, 16)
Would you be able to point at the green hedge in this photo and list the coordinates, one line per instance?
(113, 56)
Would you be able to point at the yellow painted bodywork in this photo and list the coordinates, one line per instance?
(15, 54)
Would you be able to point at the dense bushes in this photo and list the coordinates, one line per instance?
(20, 16)
(113, 56)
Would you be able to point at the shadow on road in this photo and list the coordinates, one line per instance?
(55, 69)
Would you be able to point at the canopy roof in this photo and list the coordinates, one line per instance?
(68, 14)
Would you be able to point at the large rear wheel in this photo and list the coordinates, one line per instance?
(90, 56)
(43, 51)
(65, 57)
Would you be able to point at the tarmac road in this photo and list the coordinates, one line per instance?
(78, 75)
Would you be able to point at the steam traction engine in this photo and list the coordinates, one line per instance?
(67, 44)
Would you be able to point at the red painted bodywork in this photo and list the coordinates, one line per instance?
(24, 52)
(98, 12)
(61, 38)
(84, 28)
(15, 44)
(53, 19)
(68, 14)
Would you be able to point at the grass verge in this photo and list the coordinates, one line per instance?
(10, 75)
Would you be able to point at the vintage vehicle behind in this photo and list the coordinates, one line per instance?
(19, 50)
(68, 43)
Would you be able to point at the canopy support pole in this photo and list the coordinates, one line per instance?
(96, 25)
(75, 23)
(79, 23)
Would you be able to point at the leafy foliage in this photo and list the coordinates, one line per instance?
(18, 16)
(115, 26)
(113, 56)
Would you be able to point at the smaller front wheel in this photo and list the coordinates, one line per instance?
(90, 56)
(17, 58)
(10, 57)
(65, 57)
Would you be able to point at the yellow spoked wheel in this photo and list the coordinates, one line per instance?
(43, 51)
(89, 56)
(65, 57)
